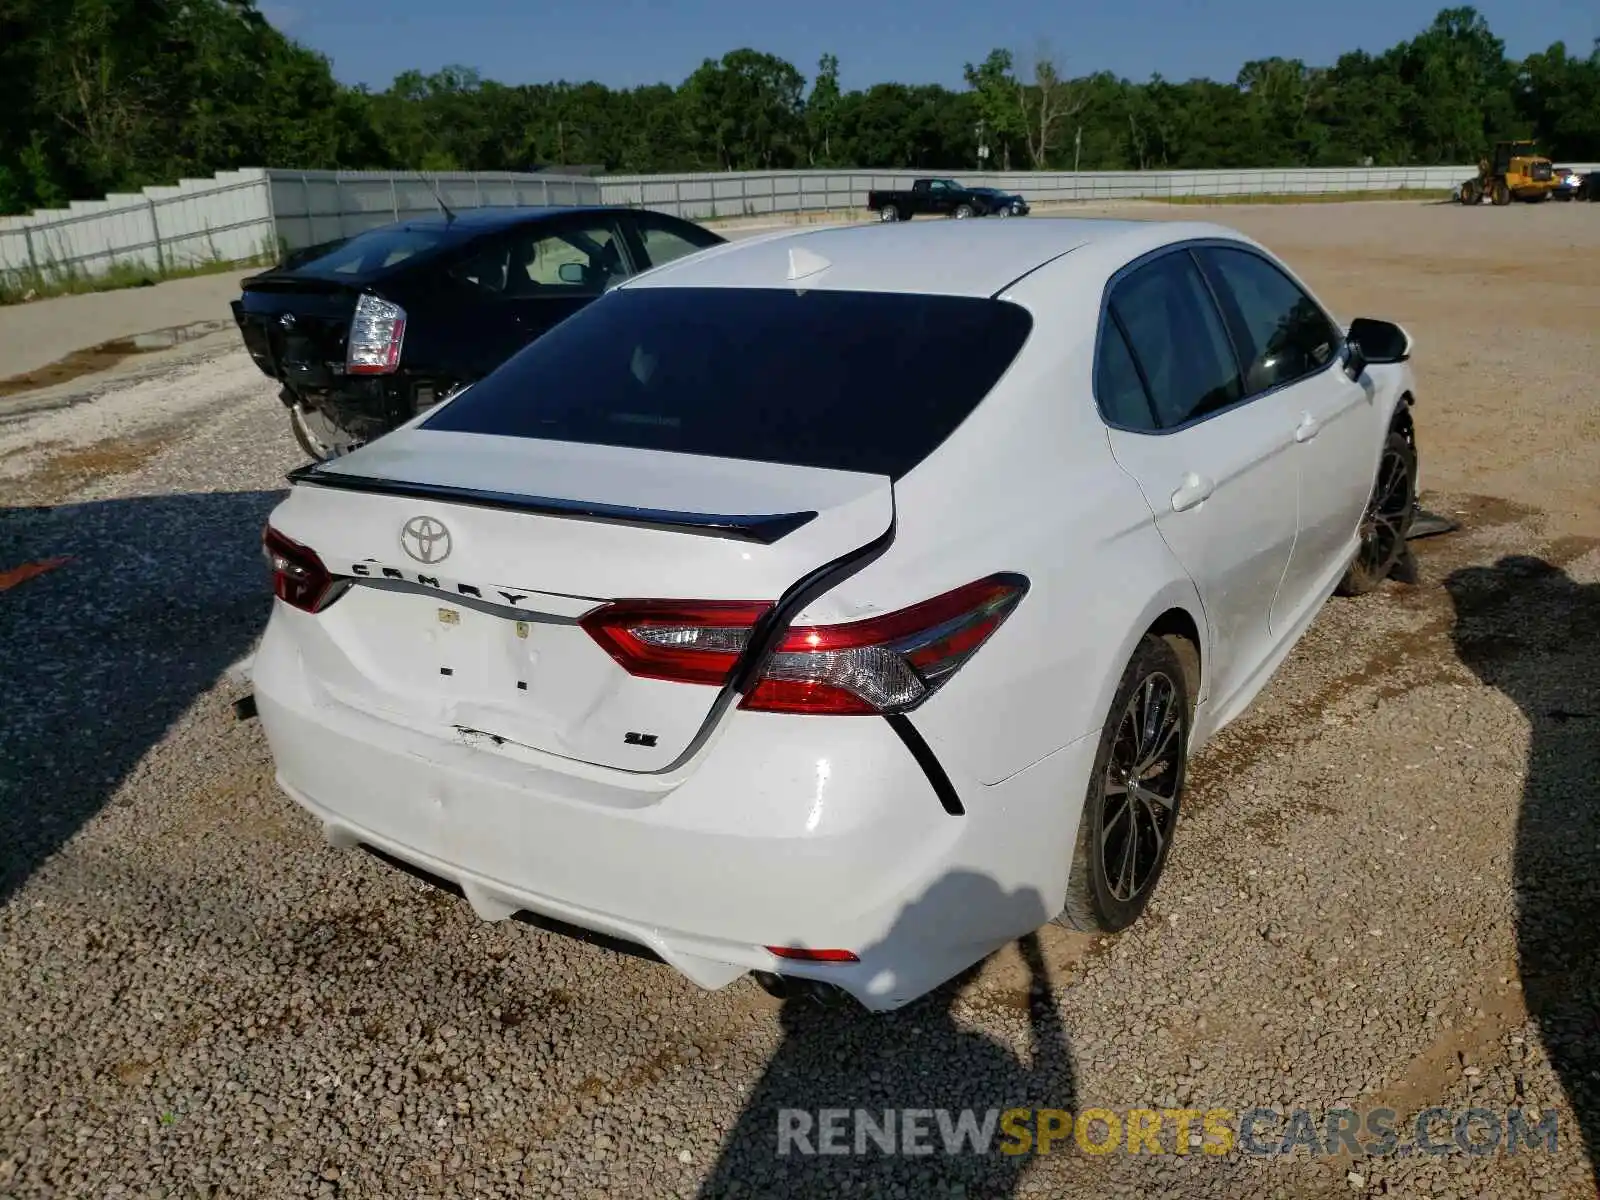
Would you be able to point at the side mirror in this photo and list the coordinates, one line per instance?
(1380, 341)
(571, 272)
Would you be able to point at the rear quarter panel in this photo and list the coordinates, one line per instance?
(1028, 484)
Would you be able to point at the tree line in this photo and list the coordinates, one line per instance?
(98, 96)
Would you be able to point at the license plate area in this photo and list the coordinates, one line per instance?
(479, 657)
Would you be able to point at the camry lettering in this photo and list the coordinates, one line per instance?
(372, 570)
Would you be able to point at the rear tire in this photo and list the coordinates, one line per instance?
(1501, 193)
(1148, 727)
(1386, 523)
(319, 436)
(888, 213)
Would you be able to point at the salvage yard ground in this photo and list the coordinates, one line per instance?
(1382, 893)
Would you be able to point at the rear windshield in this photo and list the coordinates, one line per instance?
(853, 381)
(371, 252)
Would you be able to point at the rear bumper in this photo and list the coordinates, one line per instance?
(816, 832)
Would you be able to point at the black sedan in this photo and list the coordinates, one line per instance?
(366, 332)
(1003, 204)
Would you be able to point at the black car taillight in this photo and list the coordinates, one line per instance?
(299, 578)
(377, 331)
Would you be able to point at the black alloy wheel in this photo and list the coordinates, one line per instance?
(1386, 523)
(1131, 810)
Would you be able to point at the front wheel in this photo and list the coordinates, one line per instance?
(1386, 523)
(963, 211)
(1131, 809)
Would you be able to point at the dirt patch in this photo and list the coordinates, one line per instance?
(105, 356)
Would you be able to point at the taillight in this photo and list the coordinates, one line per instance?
(376, 333)
(686, 642)
(878, 666)
(298, 577)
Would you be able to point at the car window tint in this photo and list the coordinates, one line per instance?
(485, 268)
(847, 380)
(663, 244)
(569, 260)
(369, 252)
(1177, 335)
(1117, 385)
(1283, 335)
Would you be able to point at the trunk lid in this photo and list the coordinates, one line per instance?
(296, 328)
(526, 536)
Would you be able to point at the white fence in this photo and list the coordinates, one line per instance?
(752, 193)
(239, 215)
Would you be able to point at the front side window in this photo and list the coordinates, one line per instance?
(577, 259)
(1281, 332)
(851, 381)
(1178, 338)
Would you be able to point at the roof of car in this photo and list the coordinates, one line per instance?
(961, 258)
(497, 216)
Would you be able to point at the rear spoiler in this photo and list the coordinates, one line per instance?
(764, 528)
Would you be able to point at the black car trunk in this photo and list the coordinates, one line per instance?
(296, 328)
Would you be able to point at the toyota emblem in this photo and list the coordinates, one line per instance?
(425, 539)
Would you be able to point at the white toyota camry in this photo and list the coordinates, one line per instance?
(836, 605)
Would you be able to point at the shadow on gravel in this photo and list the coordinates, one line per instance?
(99, 656)
(917, 1057)
(1526, 628)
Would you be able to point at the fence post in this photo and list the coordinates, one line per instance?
(33, 259)
(394, 197)
(155, 231)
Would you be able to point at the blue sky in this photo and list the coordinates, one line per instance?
(627, 42)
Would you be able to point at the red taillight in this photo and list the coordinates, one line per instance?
(298, 577)
(882, 665)
(686, 642)
(800, 954)
(377, 331)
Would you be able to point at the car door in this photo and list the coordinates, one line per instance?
(940, 197)
(460, 325)
(558, 267)
(1215, 469)
(1289, 346)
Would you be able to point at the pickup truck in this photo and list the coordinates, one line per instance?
(947, 197)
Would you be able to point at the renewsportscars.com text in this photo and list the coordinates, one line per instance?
(1210, 1131)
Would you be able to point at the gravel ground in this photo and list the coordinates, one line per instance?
(1382, 894)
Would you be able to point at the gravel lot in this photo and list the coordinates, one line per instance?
(1383, 892)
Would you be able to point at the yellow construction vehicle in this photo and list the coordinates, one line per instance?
(1516, 172)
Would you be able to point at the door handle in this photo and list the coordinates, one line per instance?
(1307, 429)
(1194, 490)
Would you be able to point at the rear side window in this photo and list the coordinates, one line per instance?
(1117, 384)
(1177, 335)
(853, 381)
(373, 251)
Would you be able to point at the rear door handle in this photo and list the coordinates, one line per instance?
(1308, 428)
(1194, 490)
